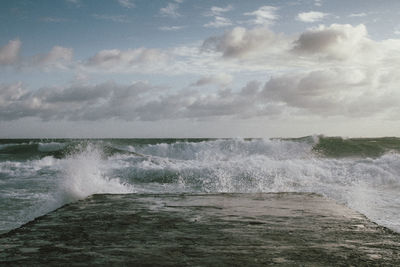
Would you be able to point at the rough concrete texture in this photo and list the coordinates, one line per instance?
(283, 229)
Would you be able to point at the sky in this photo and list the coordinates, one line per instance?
(189, 68)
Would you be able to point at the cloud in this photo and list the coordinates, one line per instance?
(77, 3)
(53, 19)
(113, 18)
(332, 92)
(171, 28)
(58, 56)
(79, 102)
(217, 11)
(357, 15)
(329, 91)
(220, 79)
(11, 92)
(218, 22)
(171, 10)
(337, 41)
(120, 60)
(9, 53)
(237, 50)
(311, 16)
(126, 3)
(241, 42)
(335, 70)
(324, 71)
(349, 74)
(135, 102)
(265, 15)
(317, 2)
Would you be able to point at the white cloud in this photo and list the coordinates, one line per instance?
(333, 92)
(77, 3)
(11, 92)
(241, 42)
(9, 53)
(113, 18)
(126, 3)
(318, 2)
(265, 15)
(217, 11)
(53, 19)
(311, 16)
(357, 15)
(335, 70)
(344, 42)
(134, 102)
(171, 28)
(220, 79)
(79, 102)
(58, 57)
(348, 74)
(341, 90)
(218, 22)
(171, 10)
(140, 59)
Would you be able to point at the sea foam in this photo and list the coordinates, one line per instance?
(367, 184)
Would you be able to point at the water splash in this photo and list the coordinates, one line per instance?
(44, 182)
(84, 174)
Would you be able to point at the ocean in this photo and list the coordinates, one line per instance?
(41, 175)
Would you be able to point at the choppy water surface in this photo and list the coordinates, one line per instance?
(37, 176)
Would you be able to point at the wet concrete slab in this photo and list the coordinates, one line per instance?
(283, 229)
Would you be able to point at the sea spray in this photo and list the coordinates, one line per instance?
(84, 173)
(54, 172)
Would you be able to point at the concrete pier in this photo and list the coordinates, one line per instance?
(282, 229)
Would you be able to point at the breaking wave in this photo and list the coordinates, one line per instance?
(38, 175)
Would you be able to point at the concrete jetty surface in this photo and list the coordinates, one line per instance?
(282, 229)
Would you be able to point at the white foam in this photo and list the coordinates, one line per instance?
(84, 174)
(368, 185)
(275, 166)
(50, 146)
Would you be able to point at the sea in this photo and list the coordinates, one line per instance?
(41, 175)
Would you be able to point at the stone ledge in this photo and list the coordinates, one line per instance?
(287, 229)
